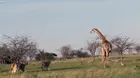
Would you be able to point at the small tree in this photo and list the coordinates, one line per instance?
(137, 48)
(42, 55)
(65, 51)
(80, 53)
(92, 47)
(4, 53)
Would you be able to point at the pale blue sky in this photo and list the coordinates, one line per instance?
(54, 23)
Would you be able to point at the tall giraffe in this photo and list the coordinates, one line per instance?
(106, 46)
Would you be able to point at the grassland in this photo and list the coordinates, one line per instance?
(74, 69)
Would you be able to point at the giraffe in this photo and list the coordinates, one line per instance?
(106, 46)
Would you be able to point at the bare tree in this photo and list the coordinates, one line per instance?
(4, 53)
(20, 46)
(121, 44)
(137, 48)
(42, 56)
(92, 47)
(66, 50)
(80, 53)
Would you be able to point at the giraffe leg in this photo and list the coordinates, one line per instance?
(107, 55)
(103, 55)
(104, 62)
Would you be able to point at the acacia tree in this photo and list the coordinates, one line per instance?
(4, 53)
(65, 51)
(42, 55)
(137, 48)
(80, 53)
(19, 47)
(121, 44)
(92, 47)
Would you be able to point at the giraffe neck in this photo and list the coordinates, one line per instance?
(101, 36)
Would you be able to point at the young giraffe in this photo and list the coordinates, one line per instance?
(106, 46)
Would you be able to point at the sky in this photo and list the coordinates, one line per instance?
(55, 23)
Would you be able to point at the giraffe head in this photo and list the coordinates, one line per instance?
(93, 30)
